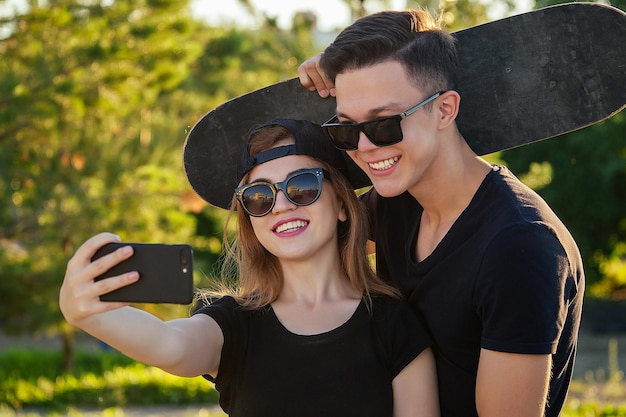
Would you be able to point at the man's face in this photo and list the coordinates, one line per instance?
(380, 90)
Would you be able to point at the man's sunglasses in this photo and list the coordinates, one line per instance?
(383, 131)
(301, 187)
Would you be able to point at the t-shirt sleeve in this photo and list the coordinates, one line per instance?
(401, 336)
(521, 291)
(224, 312)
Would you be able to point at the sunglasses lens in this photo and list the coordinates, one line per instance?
(384, 132)
(381, 132)
(258, 199)
(303, 189)
(345, 137)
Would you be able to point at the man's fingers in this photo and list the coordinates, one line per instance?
(312, 77)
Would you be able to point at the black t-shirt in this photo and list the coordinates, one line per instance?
(265, 370)
(506, 277)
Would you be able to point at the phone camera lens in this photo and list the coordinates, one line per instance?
(185, 260)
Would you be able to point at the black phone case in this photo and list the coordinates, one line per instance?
(165, 273)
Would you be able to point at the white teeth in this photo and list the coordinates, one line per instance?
(291, 226)
(386, 164)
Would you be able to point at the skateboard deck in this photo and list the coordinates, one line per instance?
(522, 79)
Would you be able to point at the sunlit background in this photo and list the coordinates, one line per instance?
(96, 98)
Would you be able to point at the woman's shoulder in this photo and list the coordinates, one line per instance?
(217, 305)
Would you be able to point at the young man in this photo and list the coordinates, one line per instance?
(481, 257)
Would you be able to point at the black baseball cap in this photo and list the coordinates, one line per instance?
(216, 171)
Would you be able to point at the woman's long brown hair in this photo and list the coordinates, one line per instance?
(258, 274)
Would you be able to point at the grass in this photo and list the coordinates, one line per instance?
(112, 385)
(33, 379)
(112, 412)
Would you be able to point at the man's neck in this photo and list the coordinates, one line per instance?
(445, 193)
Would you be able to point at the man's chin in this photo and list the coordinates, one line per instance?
(386, 188)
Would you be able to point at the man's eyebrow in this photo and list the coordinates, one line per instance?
(375, 112)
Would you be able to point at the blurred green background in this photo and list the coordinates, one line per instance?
(96, 98)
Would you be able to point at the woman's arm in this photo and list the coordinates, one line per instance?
(186, 347)
(415, 391)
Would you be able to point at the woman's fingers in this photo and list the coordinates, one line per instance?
(79, 297)
(85, 252)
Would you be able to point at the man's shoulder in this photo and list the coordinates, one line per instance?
(503, 192)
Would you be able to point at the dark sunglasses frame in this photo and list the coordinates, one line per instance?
(345, 136)
(319, 173)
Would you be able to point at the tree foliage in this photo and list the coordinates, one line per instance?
(86, 145)
(95, 102)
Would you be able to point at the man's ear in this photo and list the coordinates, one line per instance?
(448, 106)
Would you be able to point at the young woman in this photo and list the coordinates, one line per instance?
(311, 330)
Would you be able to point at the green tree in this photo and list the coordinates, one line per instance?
(95, 102)
(86, 145)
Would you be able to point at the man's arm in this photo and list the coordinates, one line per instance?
(511, 384)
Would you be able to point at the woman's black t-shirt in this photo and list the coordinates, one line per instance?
(266, 370)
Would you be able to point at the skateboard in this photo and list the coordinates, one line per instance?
(522, 79)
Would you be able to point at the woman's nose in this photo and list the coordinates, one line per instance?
(282, 203)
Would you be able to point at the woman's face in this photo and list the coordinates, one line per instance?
(292, 232)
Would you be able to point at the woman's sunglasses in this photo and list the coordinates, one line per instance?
(301, 187)
(383, 131)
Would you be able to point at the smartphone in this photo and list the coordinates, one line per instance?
(165, 273)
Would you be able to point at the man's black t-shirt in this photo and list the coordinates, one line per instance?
(507, 277)
(266, 370)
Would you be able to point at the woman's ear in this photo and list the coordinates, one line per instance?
(342, 214)
(449, 104)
